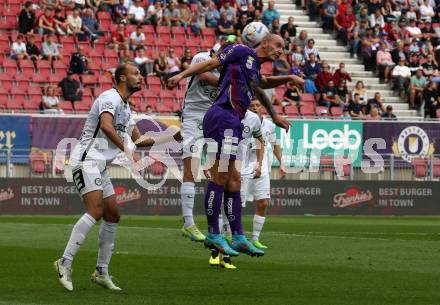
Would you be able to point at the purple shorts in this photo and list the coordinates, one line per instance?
(223, 125)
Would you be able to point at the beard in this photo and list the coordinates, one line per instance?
(135, 88)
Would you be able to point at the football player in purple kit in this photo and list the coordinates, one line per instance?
(238, 85)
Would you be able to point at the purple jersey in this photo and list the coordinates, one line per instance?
(240, 75)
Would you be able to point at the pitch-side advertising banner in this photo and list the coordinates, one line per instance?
(55, 197)
(14, 137)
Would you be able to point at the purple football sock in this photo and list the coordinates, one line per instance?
(232, 207)
(213, 203)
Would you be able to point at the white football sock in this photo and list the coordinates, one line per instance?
(187, 194)
(258, 226)
(226, 227)
(220, 223)
(77, 237)
(107, 233)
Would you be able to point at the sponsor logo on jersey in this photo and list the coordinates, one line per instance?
(107, 106)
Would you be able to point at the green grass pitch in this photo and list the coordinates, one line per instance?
(311, 260)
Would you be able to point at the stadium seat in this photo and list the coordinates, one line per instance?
(336, 111)
(420, 167)
(307, 110)
(43, 64)
(32, 105)
(89, 80)
(10, 65)
(16, 103)
(82, 106)
(435, 167)
(307, 98)
(291, 110)
(38, 162)
(326, 163)
(66, 106)
(437, 113)
(163, 30)
(321, 110)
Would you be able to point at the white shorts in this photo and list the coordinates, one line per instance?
(89, 179)
(192, 134)
(254, 189)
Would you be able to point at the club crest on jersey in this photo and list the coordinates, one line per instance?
(108, 105)
(98, 181)
(249, 62)
(247, 129)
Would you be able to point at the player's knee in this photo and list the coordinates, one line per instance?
(113, 217)
(96, 212)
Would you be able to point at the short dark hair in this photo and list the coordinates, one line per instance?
(121, 70)
(28, 4)
(356, 94)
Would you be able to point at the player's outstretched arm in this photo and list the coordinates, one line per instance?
(209, 78)
(267, 103)
(170, 134)
(198, 68)
(269, 82)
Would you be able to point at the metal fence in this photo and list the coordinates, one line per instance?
(49, 164)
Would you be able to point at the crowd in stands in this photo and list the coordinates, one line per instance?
(398, 38)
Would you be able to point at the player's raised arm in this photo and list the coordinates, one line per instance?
(170, 134)
(199, 68)
(269, 82)
(267, 103)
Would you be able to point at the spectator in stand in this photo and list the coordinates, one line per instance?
(345, 116)
(329, 96)
(225, 27)
(343, 92)
(270, 13)
(32, 49)
(314, 7)
(431, 100)
(292, 96)
(413, 30)
(67, 5)
(384, 62)
(402, 33)
(185, 15)
(137, 39)
(301, 39)
(414, 63)
(50, 49)
(230, 11)
(355, 107)
(275, 27)
(416, 87)
(373, 115)
(412, 12)
(239, 26)
(46, 23)
(18, 48)
(120, 12)
(362, 15)
(369, 44)
(79, 62)
(376, 103)
(312, 67)
(401, 76)
(288, 30)
(50, 102)
(426, 10)
(173, 63)
(358, 35)
(155, 14)
(281, 67)
(324, 76)
(202, 11)
(143, 62)
(120, 38)
(377, 18)
(171, 15)
(90, 25)
(297, 68)
(161, 67)
(186, 60)
(398, 53)
(252, 12)
(430, 68)
(125, 57)
(242, 6)
(94, 5)
(388, 114)
(212, 16)
(360, 90)
(149, 110)
(311, 49)
(75, 24)
(70, 88)
(429, 33)
(60, 22)
(341, 75)
(80, 4)
(344, 24)
(258, 4)
(26, 19)
(329, 9)
(298, 55)
(136, 13)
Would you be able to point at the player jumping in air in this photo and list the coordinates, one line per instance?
(106, 132)
(239, 81)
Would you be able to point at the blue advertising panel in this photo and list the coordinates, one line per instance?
(14, 137)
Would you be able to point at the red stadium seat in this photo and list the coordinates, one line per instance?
(307, 110)
(89, 79)
(10, 65)
(82, 107)
(32, 105)
(16, 103)
(38, 162)
(307, 98)
(336, 111)
(66, 106)
(435, 167)
(291, 110)
(420, 167)
(320, 110)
